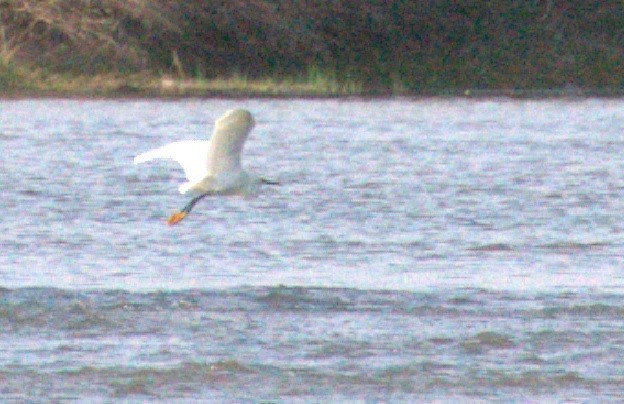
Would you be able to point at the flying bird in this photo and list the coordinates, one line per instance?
(212, 167)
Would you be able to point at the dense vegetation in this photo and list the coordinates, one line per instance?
(387, 46)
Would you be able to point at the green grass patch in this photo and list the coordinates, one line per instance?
(14, 80)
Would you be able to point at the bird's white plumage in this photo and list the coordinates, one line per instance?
(192, 155)
(228, 138)
(214, 165)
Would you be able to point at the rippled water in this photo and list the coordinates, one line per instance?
(438, 249)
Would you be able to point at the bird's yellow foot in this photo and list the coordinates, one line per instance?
(176, 217)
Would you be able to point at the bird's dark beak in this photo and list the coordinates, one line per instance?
(269, 182)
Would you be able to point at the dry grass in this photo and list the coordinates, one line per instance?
(78, 35)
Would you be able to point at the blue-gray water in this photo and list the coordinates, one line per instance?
(435, 250)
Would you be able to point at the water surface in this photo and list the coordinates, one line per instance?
(433, 249)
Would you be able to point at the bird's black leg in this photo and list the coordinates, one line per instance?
(178, 216)
(192, 202)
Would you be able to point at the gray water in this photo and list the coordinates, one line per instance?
(431, 250)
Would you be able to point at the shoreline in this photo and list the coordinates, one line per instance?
(32, 85)
(94, 94)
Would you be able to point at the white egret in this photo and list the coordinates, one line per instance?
(212, 167)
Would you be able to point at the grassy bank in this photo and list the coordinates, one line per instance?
(311, 48)
(18, 81)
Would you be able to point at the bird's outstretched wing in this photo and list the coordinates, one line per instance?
(192, 155)
(209, 164)
(226, 143)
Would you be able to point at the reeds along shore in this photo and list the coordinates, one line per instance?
(311, 48)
